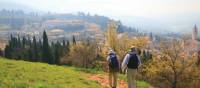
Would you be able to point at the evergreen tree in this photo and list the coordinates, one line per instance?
(30, 55)
(64, 47)
(11, 41)
(31, 50)
(7, 52)
(57, 53)
(68, 46)
(52, 47)
(40, 44)
(74, 40)
(19, 42)
(1, 52)
(39, 49)
(23, 42)
(46, 54)
(35, 51)
(120, 28)
(64, 44)
(29, 42)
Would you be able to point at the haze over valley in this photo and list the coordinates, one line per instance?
(150, 16)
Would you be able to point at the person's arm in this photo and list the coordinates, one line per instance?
(108, 60)
(125, 62)
(118, 62)
(139, 63)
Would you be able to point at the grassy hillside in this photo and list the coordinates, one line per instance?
(21, 74)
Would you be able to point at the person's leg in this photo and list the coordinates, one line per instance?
(115, 80)
(110, 79)
(129, 78)
(134, 72)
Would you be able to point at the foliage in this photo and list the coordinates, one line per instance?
(33, 50)
(140, 42)
(121, 43)
(83, 54)
(171, 68)
(111, 36)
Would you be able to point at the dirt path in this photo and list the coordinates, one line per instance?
(103, 80)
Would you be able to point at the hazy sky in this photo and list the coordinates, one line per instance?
(155, 10)
(147, 8)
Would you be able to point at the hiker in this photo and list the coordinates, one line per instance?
(130, 66)
(113, 64)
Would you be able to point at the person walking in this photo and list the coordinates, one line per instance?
(113, 64)
(130, 66)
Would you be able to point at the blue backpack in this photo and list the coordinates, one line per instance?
(113, 62)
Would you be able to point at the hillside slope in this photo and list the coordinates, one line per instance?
(22, 74)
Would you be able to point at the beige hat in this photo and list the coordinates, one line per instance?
(133, 48)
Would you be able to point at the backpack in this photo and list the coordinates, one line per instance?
(113, 62)
(133, 61)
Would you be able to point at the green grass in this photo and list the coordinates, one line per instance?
(21, 74)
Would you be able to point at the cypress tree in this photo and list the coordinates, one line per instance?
(74, 40)
(10, 48)
(35, 51)
(23, 42)
(1, 52)
(19, 42)
(46, 55)
(53, 52)
(15, 42)
(68, 46)
(11, 41)
(57, 53)
(29, 42)
(64, 44)
(64, 47)
(7, 52)
(30, 55)
(39, 49)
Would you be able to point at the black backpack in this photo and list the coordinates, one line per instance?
(113, 62)
(133, 61)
